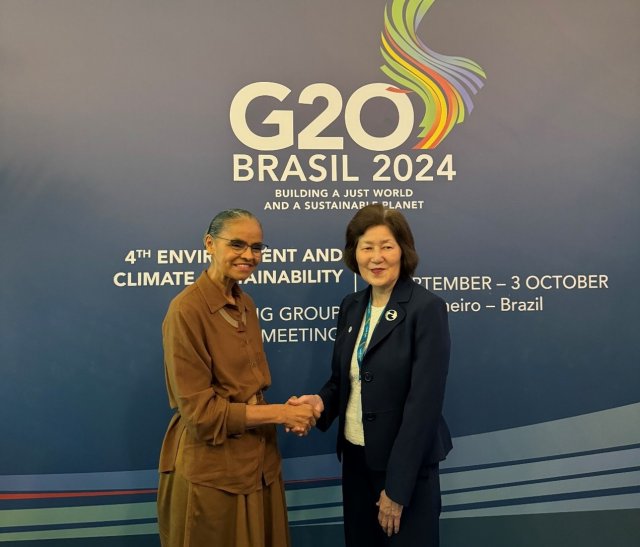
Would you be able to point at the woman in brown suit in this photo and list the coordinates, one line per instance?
(220, 476)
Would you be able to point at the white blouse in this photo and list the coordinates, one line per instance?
(353, 430)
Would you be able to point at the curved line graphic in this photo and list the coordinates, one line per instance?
(444, 83)
(56, 495)
(580, 463)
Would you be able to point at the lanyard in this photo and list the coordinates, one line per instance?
(362, 345)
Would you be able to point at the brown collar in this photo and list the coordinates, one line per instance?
(213, 295)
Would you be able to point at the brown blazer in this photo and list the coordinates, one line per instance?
(214, 364)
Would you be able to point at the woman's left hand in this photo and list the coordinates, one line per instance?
(389, 514)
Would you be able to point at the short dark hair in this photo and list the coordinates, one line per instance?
(379, 215)
(220, 220)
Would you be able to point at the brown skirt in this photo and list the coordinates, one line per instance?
(192, 515)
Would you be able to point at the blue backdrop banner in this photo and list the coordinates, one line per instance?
(506, 133)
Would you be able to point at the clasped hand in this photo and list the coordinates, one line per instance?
(300, 416)
(314, 402)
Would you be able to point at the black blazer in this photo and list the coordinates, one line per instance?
(404, 373)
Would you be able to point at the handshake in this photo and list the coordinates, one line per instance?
(301, 413)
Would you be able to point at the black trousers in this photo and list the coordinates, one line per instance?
(361, 487)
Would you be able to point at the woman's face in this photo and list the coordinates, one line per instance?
(227, 262)
(379, 257)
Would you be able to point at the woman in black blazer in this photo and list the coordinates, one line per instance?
(387, 384)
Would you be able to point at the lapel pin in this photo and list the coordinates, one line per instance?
(391, 315)
(350, 329)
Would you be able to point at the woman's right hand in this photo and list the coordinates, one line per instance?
(314, 400)
(299, 418)
(316, 403)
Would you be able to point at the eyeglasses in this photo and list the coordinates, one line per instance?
(239, 246)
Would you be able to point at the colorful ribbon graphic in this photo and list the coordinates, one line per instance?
(444, 83)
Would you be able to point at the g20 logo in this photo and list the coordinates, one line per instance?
(310, 137)
(320, 167)
(444, 84)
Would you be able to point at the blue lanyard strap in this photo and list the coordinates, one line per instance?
(365, 334)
